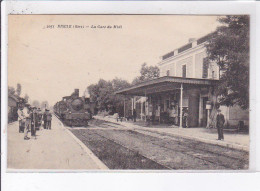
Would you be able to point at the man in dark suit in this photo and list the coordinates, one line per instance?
(21, 119)
(34, 121)
(49, 118)
(134, 115)
(220, 124)
(44, 118)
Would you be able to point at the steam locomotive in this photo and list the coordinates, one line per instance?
(74, 110)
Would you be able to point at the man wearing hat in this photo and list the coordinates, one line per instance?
(220, 124)
(34, 121)
(49, 118)
(26, 113)
(39, 114)
(21, 119)
(44, 118)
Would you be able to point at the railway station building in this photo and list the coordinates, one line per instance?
(186, 87)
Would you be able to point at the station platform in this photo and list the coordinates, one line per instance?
(233, 140)
(54, 149)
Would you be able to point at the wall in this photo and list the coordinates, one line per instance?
(189, 69)
(236, 114)
(193, 58)
(199, 61)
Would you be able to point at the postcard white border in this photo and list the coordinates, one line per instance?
(126, 180)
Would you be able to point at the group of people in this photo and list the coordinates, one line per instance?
(220, 119)
(31, 119)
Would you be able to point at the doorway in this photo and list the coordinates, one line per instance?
(204, 112)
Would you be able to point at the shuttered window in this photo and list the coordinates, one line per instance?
(205, 67)
(184, 71)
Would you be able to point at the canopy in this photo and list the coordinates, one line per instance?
(165, 84)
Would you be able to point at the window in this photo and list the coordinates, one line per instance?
(186, 47)
(184, 71)
(205, 67)
(168, 72)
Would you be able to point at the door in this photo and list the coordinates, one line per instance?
(204, 112)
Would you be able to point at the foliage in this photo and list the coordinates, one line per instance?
(18, 89)
(17, 93)
(103, 93)
(26, 98)
(229, 48)
(118, 100)
(146, 73)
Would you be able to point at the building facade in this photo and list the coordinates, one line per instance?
(184, 94)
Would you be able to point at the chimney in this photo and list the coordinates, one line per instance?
(191, 40)
(76, 92)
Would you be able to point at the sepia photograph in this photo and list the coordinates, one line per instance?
(128, 92)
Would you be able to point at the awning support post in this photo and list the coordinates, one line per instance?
(124, 107)
(181, 105)
(145, 117)
(141, 110)
(132, 99)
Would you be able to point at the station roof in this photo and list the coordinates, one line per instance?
(165, 84)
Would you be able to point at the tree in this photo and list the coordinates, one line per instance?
(26, 98)
(137, 80)
(36, 103)
(149, 72)
(99, 93)
(118, 100)
(103, 93)
(119, 84)
(18, 89)
(229, 48)
(146, 73)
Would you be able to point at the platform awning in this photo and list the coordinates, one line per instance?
(165, 84)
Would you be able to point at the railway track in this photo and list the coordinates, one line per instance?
(116, 155)
(198, 150)
(199, 147)
(167, 167)
(217, 160)
(201, 156)
(209, 155)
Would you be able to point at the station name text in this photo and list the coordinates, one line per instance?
(83, 26)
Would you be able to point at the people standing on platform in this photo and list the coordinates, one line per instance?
(34, 121)
(39, 114)
(49, 118)
(134, 115)
(185, 118)
(21, 119)
(172, 115)
(220, 124)
(44, 118)
(26, 113)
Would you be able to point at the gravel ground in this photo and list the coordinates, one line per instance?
(135, 149)
(114, 155)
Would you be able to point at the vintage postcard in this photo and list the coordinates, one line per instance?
(128, 92)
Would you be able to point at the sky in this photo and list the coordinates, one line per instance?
(50, 62)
